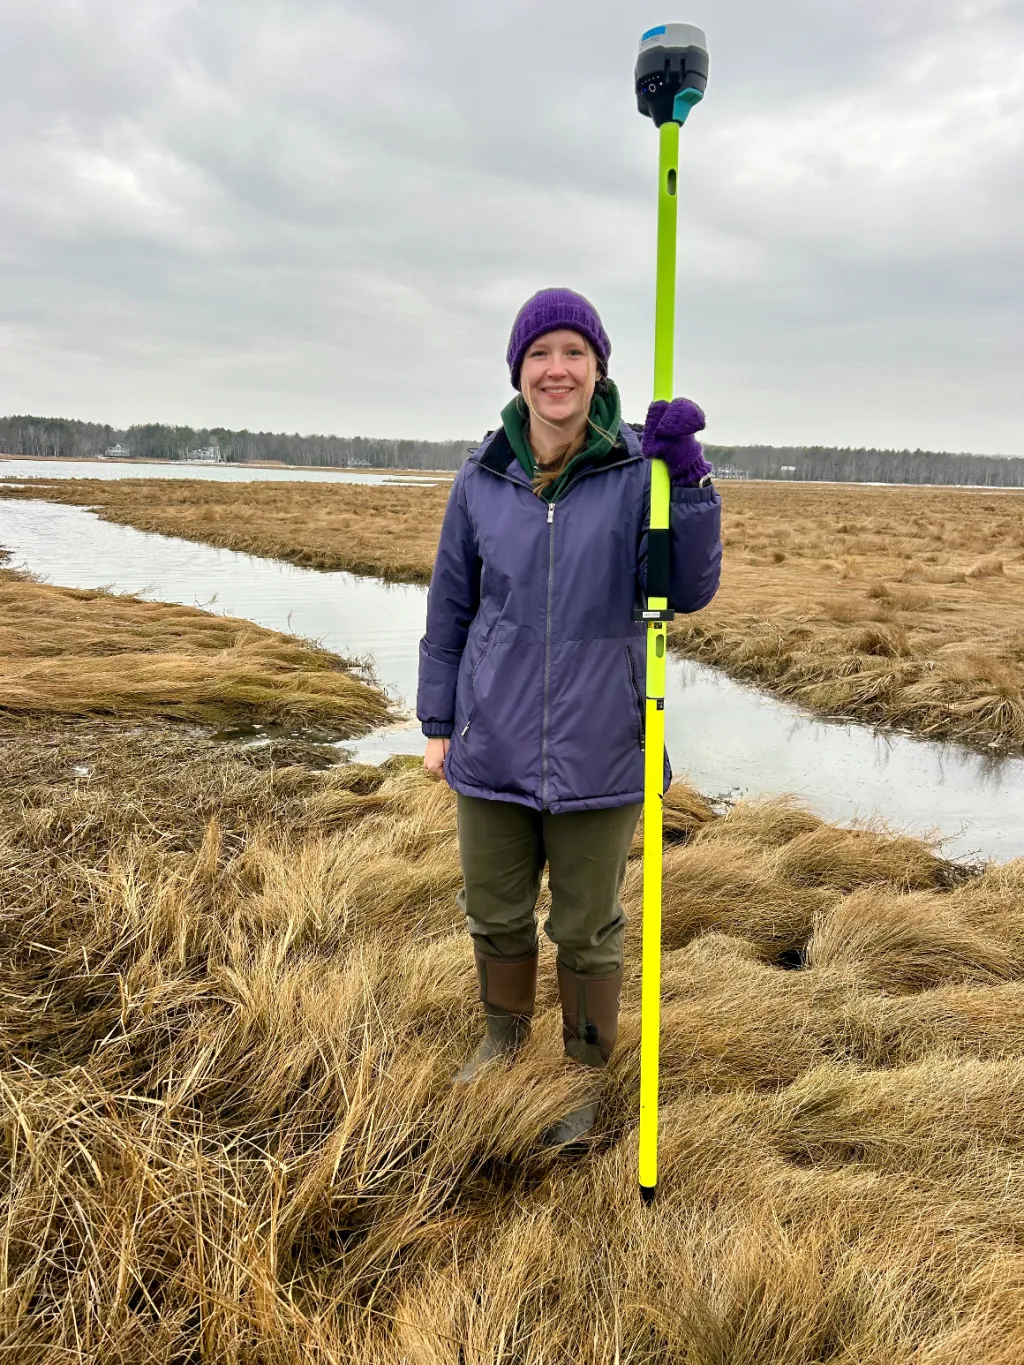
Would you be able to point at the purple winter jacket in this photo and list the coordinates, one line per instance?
(531, 661)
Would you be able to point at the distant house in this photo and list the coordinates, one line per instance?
(727, 471)
(205, 455)
(117, 452)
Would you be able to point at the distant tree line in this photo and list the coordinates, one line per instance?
(65, 438)
(58, 436)
(830, 465)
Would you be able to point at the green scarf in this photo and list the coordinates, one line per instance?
(605, 413)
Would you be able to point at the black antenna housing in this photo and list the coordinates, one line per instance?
(671, 72)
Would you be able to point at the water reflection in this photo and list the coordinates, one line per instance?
(738, 740)
(727, 738)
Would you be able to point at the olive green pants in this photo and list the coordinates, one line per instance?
(503, 848)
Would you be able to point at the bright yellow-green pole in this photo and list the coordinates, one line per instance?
(664, 355)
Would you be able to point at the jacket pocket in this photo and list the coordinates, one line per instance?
(485, 649)
(638, 699)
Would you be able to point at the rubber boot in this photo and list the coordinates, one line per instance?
(590, 1026)
(508, 991)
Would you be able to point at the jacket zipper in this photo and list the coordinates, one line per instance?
(547, 639)
(601, 469)
(637, 700)
(547, 658)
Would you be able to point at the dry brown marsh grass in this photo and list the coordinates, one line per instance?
(74, 652)
(895, 606)
(900, 606)
(232, 995)
(232, 992)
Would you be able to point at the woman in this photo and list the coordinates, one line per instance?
(532, 670)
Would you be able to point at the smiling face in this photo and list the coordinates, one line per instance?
(557, 378)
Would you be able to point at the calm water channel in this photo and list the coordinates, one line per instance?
(726, 738)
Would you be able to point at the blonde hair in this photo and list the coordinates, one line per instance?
(546, 475)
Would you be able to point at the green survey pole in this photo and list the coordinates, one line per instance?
(671, 77)
(665, 296)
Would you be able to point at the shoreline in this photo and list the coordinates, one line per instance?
(450, 473)
(894, 608)
(230, 464)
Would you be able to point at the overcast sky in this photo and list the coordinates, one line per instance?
(322, 215)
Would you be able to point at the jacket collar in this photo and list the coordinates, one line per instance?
(497, 455)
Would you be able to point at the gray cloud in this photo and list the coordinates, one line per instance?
(305, 216)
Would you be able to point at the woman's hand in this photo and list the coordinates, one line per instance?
(670, 435)
(433, 759)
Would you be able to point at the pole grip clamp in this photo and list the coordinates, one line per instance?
(659, 553)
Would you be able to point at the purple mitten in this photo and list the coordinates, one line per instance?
(669, 435)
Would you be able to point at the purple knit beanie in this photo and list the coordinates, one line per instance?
(547, 311)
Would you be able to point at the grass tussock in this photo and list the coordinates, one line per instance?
(232, 996)
(74, 652)
(896, 606)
